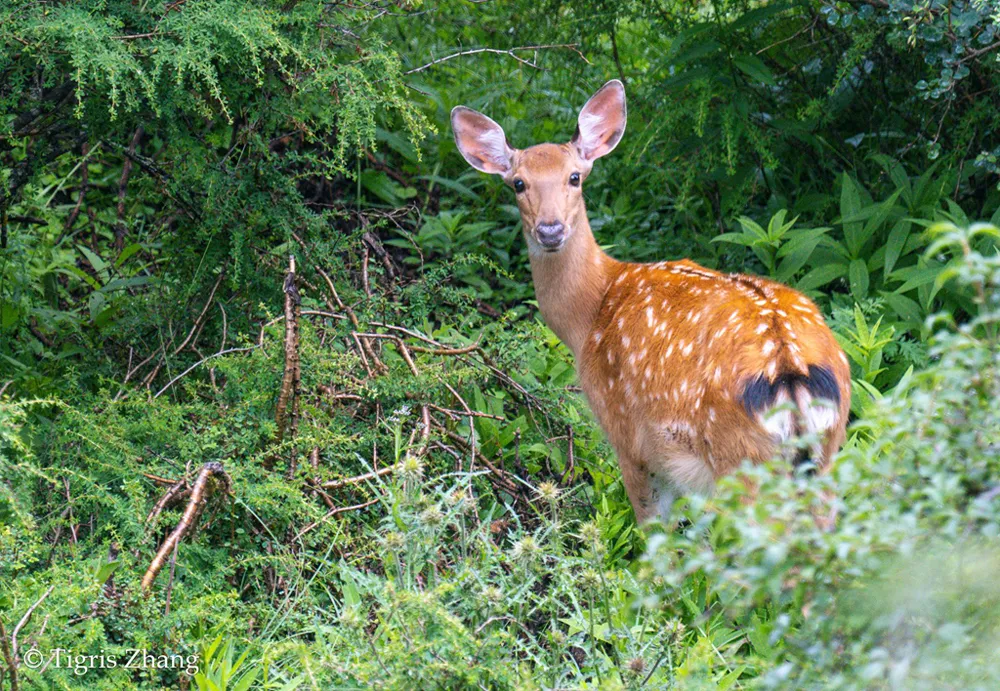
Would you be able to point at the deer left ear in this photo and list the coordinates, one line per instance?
(601, 123)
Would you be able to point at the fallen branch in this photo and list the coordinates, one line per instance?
(199, 495)
(24, 620)
(179, 490)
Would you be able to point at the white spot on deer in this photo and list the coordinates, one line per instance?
(611, 357)
(772, 366)
(717, 377)
(761, 328)
(626, 341)
(720, 333)
(711, 414)
(783, 313)
(670, 349)
(768, 347)
(597, 337)
(843, 358)
(621, 322)
(687, 349)
(684, 386)
(807, 310)
(611, 383)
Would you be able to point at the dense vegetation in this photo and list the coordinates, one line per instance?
(374, 469)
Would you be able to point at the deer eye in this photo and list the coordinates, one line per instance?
(519, 185)
(574, 179)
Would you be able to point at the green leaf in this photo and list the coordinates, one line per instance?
(850, 204)
(895, 243)
(754, 67)
(821, 275)
(859, 279)
(95, 261)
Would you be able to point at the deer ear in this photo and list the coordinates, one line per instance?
(601, 123)
(481, 141)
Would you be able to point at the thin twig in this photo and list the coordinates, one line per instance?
(331, 513)
(498, 51)
(337, 484)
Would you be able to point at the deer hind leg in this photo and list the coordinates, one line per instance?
(638, 487)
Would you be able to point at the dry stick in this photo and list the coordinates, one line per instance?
(122, 186)
(84, 184)
(314, 462)
(200, 362)
(569, 455)
(286, 416)
(500, 475)
(497, 51)
(201, 316)
(24, 620)
(330, 514)
(160, 480)
(363, 344)
(364, 272)
(170, 581)
(178, 491)
(11, 665)
(337, 484)
(399, 344)
(194, 508)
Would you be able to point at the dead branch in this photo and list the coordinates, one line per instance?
(84, 185)
(510, 53)
(287, 415)
(201, 317)
(120, 229)
(362, 344)
(399, 344)
(176, 493)
(159, 480)
(337, 484)
(24, 620)
(330, 514)
(11, 665)
(500, 477)
(202, 361)
(570, 462)
(200, 491)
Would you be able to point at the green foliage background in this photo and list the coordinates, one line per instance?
(160, 161)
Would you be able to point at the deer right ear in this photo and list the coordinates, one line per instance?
(481, 141)
(601, 123)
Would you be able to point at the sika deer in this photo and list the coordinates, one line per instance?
(689, 371)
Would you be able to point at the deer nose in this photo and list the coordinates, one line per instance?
(550, 235)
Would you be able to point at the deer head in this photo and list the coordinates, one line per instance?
(547, 178)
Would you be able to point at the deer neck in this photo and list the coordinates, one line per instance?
(570, 284)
